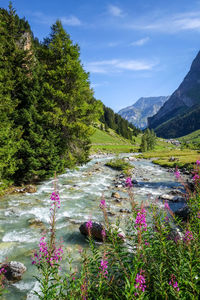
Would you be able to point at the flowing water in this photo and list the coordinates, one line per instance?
(23, 217)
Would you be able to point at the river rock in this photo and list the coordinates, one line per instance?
(110, 213)
(96, 230)
(183, 212)
(14, 270)
(134, 181)
(125, 210)
(36, 223)
(30, 189)
(115, 195)
(171, 198)
(132, 158)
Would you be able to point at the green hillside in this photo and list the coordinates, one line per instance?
(184, 123)
(110, 142)
(193, 137)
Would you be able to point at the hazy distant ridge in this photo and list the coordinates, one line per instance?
(143, 108)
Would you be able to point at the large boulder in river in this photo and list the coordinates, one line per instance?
(183, 212)
(172, 198)
(96, 230)
(13, 270)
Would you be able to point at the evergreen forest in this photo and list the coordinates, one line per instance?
(47, 107)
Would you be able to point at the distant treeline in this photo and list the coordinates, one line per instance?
(46, 104)
(119, 124)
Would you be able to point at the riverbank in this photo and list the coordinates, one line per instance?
(24, 216)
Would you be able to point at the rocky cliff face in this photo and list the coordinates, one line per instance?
(138, 113)
(185, 97)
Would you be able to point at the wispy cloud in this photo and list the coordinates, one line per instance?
(140, 42)
(118, 65)
(71, 21)
(114, 44)
(96, 85)
(115, 11)
(41, 18)
(169, 24)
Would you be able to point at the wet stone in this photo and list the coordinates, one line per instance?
(14, 270)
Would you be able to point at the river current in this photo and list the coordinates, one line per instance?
(23, 217)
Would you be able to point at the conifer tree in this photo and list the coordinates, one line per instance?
(69, 105)
(9, 133)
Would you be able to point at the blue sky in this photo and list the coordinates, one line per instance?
(132, 48)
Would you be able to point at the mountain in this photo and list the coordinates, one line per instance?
(143, 108)
(180, 114)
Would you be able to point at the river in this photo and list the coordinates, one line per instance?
(23, 216)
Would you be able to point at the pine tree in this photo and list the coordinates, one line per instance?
(9, 133)
(69, 105)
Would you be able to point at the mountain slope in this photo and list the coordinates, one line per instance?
(181, 104)
(143, 108)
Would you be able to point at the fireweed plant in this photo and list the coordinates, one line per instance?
(158, 257)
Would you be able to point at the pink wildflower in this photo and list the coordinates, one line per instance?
(195, 177)
(103, 233)
(103, 203)
(177, 174)
(89, 224)
(140, 281)
(188, 236)
(174, 283)
(104, 266)
(198, 214)
(55, 199)
(140, 221)
(2, 270)
(198, 162)
(129, 182)
(166, 205)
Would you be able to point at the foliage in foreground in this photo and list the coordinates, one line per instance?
(154, 260)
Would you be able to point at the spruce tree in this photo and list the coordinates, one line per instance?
(9, 133)
(69, 105)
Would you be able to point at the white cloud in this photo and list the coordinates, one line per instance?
(115, 11)
(71, 21)
(118, 65)
(41, 18)
(169, 24)
(140, 42)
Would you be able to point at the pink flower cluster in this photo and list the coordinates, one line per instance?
(102, 204)
(89, 225)
(140, 221)
(198, 214)
(103, 268)
(177, 174)
(198, 162)
(174, 283)
(52, 256)
(140, 281)
(2, 271)
(196, 177)
(103, 233)
(167, 205)
(188, 236)
(55, 199)
(129, 182)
